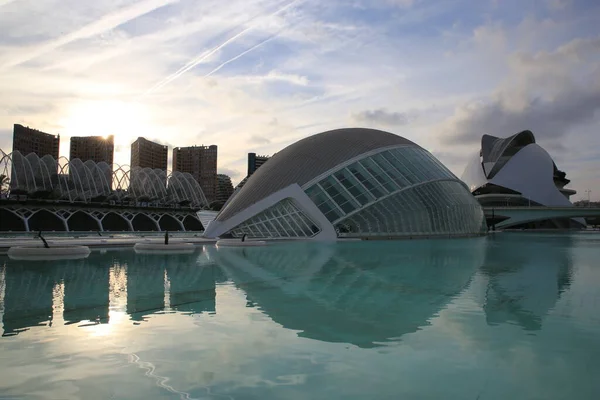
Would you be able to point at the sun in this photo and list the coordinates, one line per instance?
(125, 120)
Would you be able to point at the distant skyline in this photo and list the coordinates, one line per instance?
(257, 75)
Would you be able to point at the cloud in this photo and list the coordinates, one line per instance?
(558, 5)
(400, 3)
(546, 118)
(549, 93)
(274, 76)
(106, 23)
(257, 139)
(5, 140)
(232, 173)
(253, 23)
(6, 2)
(313, 67)
(382, 117)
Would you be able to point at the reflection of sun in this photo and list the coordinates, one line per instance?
(116, 319)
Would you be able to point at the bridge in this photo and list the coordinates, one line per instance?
(506, 217)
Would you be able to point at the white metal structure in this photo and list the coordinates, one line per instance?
(85, 182)
(350, 183)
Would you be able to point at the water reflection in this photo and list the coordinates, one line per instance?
(522, 280)
(360, 293)
(86, 290)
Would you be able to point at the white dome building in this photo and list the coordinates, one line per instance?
(360, 183)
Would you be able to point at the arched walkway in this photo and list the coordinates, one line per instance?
(45, 221)
(192, 224)
(142, 222)
(81, 221)
(115, 223)
(11, 222)
(168, 223)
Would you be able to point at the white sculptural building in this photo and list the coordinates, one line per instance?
(516, 171)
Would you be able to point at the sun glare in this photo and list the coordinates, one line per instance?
(126, 121)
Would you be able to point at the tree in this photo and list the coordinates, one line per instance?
(4, 184)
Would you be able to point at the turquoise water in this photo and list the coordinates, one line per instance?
(507, 316)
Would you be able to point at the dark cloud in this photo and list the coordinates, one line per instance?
(548, 118)
(382, 117)
(259, 139)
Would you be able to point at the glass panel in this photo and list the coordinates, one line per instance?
(338, 195)
(349, 181)
(280, 220)
(408, 175)
(379, 175)
(359, 172)
(436, 208)
(396, 175)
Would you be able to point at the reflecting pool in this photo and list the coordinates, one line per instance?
(505, 316)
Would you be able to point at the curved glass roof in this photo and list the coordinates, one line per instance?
(305, 160)
(394, 192)
(494, 148)
(78, 181)
(402, 191)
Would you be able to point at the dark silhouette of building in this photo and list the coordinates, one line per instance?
(27, 140)
(27, 299)
(95, 148)
(224, 188)
(148, 154)
(201, 163)
(254, 162)
(92, 148)
(86, 296)
(145, 286)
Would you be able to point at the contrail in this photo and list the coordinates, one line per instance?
(105, 23)
(209, 53)
(242, 54)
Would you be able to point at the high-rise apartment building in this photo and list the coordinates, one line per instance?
(27, 140)
(224, 188)
(254, 162)
(148, 154)
(201, 163)
(95, 148)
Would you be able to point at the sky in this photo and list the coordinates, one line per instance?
(257, 75)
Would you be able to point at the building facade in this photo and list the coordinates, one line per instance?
(201, 163)
(27, 140)
(356, 183)
(148, 154)
(95, 148)
(224, 188)
(516, 171)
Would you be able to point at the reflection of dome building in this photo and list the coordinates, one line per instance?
(359, 293)
(351, 183)
(516, 171)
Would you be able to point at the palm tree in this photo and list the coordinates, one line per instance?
(4, 184)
